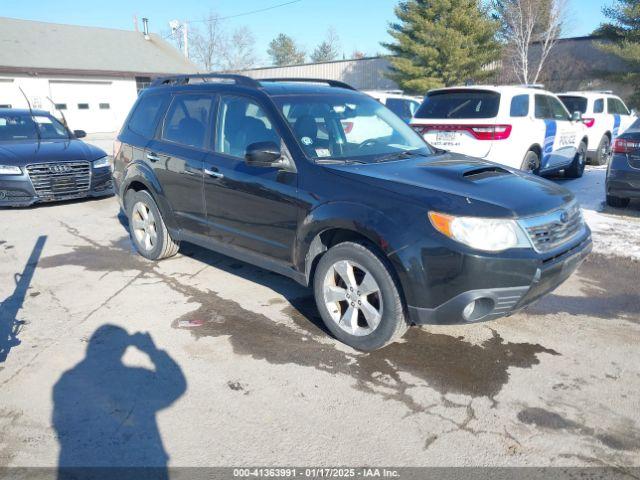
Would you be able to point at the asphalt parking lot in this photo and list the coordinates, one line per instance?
(238, 370)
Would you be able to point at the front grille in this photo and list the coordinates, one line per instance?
(60, 180)
(554, 229)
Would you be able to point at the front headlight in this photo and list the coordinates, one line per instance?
(10, 170)
(102, 162)
(488, 234)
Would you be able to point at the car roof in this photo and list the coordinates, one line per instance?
(513, 89)
(23, 111)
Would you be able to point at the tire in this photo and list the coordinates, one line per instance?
(617, 202)
(150, 236)
(382, 320)
(531, 163)
(604, 151)
(576, 169)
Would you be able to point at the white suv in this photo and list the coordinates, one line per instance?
(402, 105)
(605, 116)
(521, 127)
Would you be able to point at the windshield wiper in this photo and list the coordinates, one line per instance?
(337, 161)
(401, 155)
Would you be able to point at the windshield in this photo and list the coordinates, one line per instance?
(22, 126)
(349, 127)
(460, 104)
(575, 104)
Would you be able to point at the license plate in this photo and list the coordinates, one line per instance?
(445, 136)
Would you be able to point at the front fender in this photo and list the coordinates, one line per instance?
(139, 173)
(376, 226)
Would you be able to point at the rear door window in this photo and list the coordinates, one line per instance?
(187, 120)
(598, 106)
(144, 119)
(460, 104)
(575, 104)
(548, 108)
(520, 106)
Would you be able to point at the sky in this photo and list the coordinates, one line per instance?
(360, 24)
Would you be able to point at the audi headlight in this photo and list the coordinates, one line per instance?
(488, 234)
(10, 170)
(102, 162)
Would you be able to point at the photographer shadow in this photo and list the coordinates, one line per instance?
(105, 412)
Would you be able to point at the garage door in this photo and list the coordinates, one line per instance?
(86, 105)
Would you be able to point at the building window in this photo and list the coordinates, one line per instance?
(61, 106)
(5, 105)
(142, 83)
(105, 106)
(83, 106)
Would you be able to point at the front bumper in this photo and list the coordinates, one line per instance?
(18, 190)
(444, 283)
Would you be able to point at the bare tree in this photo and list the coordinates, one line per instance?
(240, 50)
(208, 45)
(328, 49)
(530, 30)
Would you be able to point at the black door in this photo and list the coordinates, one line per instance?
(177, 156)
(247, 206)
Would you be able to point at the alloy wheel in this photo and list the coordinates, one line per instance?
(353, 298)
(144, 226)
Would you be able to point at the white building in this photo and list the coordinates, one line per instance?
(93, 75)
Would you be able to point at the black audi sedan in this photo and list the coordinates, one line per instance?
(41, 160)
(623, 173)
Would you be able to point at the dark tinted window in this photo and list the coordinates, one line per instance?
(187, 120)
(61, 106)
(598, 106)
(241, 122)
(83, 106)
(616, 106)
(548, 108)
(105, 106)
(402, 107)
(5, 105)
(520, 106)
(575, 104)
(144, 117)
(460, 104)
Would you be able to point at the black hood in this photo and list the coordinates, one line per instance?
(452, 183)
(45, 151)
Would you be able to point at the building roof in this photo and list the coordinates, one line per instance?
(28, 46)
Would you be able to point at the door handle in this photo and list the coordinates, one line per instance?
(152, 157)
(213, 173)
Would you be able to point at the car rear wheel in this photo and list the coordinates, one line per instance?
(148, 230)
(531, 163)
(604, 151)
(617, 202)
(358, 297)
(576, 169)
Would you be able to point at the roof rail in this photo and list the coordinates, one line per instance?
(331, 83)
(204, 77)
(538, 86)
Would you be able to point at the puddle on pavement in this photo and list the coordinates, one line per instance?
(446, 363)
(623, 439)
(609, 290)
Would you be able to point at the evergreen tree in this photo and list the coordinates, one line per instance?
(441, 43)
(284, 51)
(623, 33)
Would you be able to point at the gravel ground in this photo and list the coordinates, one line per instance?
(236, 368)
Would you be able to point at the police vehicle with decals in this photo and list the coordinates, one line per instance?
(606, 117)
(522, 127)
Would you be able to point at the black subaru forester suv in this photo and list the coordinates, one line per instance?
(323, 184)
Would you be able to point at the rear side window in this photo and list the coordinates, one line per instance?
(187, 120)
(401, 107)
(144, 117)
(460, 104)
(520, 106)
(598, 106)
(616, 106)
(575, 104)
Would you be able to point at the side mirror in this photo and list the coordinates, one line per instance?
(263, 154)
(634, 112)
(79, 133)
(576, 116)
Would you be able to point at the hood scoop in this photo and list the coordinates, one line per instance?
(485, 172)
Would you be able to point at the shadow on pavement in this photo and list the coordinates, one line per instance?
(104, 412)
(9, 308)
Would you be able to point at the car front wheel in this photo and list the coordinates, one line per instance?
(604, 151)
(576, 169)
(148, 230)
(358, 297)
